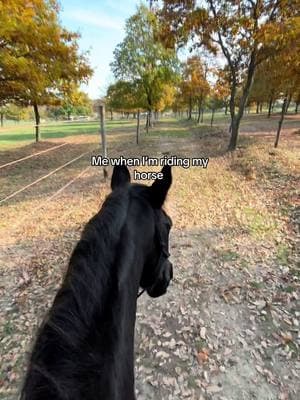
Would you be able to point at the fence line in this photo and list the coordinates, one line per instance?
(55, 194)
(43, 177)
(65, 186)
(31, 155)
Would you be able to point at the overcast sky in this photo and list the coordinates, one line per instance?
(101, 25)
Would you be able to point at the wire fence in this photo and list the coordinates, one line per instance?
(12, 195)
(34, 212)
(31, 155)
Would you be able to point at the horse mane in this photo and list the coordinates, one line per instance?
(66, 340)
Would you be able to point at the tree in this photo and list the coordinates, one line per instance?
(194, 85)
(218, 95)
(245, 32)
(265, 86)
(167, 98)
(39, 59)
(288, 70)
(222, 88)
(143, 61)
(14, 113)
(3, 110)
(123, 96)
(76, 102)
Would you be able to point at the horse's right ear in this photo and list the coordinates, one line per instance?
(160, 187)
(120, 176)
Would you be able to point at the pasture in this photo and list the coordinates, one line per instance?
(228, 328)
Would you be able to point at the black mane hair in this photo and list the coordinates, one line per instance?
(84, 347)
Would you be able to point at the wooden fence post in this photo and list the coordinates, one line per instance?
(138, 127)
(103, 137)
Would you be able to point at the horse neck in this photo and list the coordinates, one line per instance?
(104, 281)
(90, 326)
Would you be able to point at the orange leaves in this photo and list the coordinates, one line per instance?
(37, 55)
(203, 356)
(194, 82)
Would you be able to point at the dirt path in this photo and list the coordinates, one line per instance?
(221, 332)
(228, 327)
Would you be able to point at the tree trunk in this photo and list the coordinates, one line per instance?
(288, 103)
(69, 115)
(212, 116)
(199, 115)
(103, 137)
(273, 105)
(260, 107)
(284, 108)
(111, 115)
(234, 130)
(150, 119)
(190, 108)
(200, 102)
(202, 112)
(257, 107)
(138, 127)
(270, 106)
(296, 107)
(2, 119)
(236, 119)
(37, 122)
(147, 123)
(226, 108)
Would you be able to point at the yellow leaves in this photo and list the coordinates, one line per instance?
(167, 98)
(37, 54)
(194, 78)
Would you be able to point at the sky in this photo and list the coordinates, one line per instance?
(101, 24)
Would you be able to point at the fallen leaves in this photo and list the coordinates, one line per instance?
(202, 356)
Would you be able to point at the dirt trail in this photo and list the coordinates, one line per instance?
(213, 336)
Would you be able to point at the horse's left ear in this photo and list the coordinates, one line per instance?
(120, 176)
(160, 187)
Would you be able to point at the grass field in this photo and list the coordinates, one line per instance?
(15, 135)
(18, 135)
(233, 247)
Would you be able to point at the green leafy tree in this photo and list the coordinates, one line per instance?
(143, 61)
(76, 102)
(123, 96)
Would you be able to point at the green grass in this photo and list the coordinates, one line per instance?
(282, 254)
(257, 285)
(228, 255)
(17, 135)
(259, 223)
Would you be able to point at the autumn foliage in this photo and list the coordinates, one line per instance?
(39, 59)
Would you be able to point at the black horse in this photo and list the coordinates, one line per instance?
(85, 346)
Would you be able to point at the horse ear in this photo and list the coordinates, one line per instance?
(160, 187)
(120, 176)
